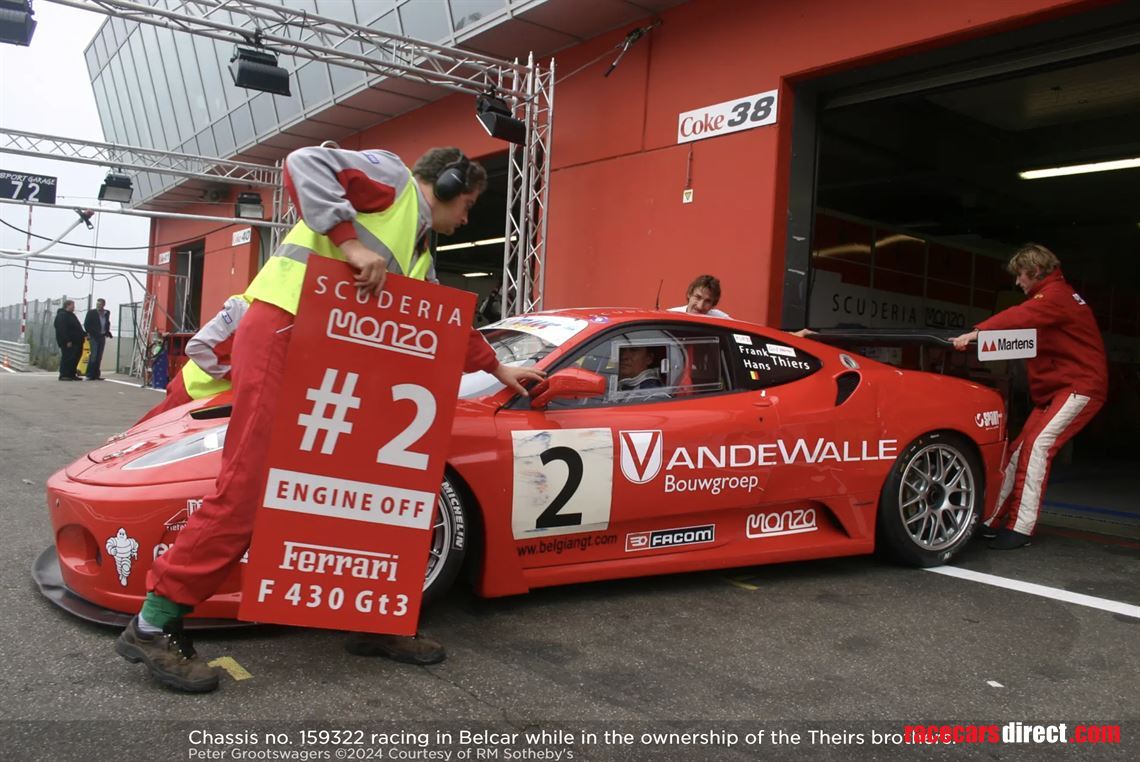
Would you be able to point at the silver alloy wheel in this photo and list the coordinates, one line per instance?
(936, 497)
(441, 531)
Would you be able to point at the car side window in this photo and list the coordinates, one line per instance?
(658, 364)
(761, 362)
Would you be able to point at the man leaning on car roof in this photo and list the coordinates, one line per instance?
(336, 192)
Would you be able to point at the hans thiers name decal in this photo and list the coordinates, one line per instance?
(670, 538)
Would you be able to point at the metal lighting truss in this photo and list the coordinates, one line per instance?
(528, 181)
(140, 159)
(529, 90)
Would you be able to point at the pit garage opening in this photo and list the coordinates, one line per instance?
(914, 201)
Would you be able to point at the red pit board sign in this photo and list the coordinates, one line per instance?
(357, 454)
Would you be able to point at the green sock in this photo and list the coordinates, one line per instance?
(159, 611)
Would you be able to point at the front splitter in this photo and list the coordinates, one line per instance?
(49, 579)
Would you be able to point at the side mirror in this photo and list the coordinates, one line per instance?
(568, 383)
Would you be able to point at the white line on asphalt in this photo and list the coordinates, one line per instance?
(5, 367)
(129, 383)
(1057, 594)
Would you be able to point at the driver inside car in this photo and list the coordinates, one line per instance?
(638, 371)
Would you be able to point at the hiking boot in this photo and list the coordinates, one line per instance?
(1007, 539)
(170, 657)
(402, 648)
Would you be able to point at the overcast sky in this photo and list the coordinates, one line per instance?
(45, 88)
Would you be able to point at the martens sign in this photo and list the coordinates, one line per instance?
(1007, 345)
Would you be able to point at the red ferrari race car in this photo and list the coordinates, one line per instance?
(660, 442)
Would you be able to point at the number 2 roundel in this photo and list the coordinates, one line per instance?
(563, 481)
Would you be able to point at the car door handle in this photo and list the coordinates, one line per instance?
(766, 401)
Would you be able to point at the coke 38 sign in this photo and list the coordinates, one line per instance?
(731, 116)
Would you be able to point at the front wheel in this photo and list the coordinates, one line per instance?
(448, 542)
(931, 499)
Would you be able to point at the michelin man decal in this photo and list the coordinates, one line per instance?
(124, 550)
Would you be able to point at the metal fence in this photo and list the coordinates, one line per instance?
(43, 352)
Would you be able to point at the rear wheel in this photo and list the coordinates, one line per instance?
(931, 500)
(448, 542)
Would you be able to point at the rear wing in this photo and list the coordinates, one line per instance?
(878, 337)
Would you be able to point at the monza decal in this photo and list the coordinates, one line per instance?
(776, 523)
(563, 481)
(124, 550)
(670, 538)
(641, 454)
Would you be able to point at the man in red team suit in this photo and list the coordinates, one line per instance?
(1068, 383)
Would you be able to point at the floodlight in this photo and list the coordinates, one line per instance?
(249, 206)
(16, 22)
(496, 117)
(116, 187)
(258, 70)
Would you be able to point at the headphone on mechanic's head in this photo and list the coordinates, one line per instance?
(452, 181)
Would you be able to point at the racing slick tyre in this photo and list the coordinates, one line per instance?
(931, 500)
(448, 542)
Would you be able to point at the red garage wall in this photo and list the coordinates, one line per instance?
(617, 227)
(227, 269)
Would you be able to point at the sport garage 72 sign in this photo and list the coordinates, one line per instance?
(730, 116)
(357, 454)
(23, 187)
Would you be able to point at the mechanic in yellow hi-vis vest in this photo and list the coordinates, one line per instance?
(206, 371)
(362, 207)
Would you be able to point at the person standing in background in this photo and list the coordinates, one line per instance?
(69, 337)
(97, 323)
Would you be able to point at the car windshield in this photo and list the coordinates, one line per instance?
(522, 341)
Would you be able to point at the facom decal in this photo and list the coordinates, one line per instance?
(670, 538)
(780, 349)
(641, 455)
(990, 419)
(124, 550)
(791, 521)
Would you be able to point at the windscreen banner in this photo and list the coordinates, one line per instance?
(342, 537)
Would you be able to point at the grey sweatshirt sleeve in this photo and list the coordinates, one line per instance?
(330, 185)
(222, 326)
